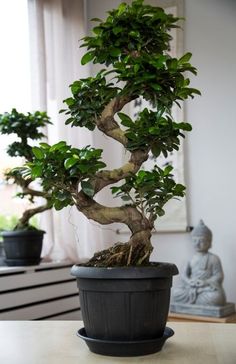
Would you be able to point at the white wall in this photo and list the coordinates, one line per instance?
(210, 35)
(210, 32)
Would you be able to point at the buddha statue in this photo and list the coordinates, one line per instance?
(201, 280)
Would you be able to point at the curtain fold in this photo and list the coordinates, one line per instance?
(56, 26)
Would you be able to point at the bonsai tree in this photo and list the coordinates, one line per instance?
(134, 43)
(26, 127)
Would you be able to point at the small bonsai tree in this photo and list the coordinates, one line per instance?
(26, 127)
(134, 42)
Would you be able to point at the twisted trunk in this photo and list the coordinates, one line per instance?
(105, 178)
(107, 124)
(134, 252)
(24, 220)
(137, 250)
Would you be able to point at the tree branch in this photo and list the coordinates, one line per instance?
(106, 177)
(30, 213)
(30, 191)
(104, 215)
(107, 124)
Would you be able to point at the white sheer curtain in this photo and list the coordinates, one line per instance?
(55, 28)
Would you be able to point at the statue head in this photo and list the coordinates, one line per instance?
(201, 237)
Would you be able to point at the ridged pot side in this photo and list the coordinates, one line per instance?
(23, 247)
(127, 303)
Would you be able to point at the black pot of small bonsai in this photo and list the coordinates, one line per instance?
(23, 244)
(124, 297)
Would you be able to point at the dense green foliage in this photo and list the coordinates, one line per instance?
(90, 95)
(153, 130)
(135, 41)
(150, 190)
(127, 30)
(62, 168)
(28, 129)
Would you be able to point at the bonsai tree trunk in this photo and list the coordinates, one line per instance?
(24, 183)
(134, 252)
(138, 249)
(26, 216)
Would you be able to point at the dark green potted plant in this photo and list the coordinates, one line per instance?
(124, 297)
(23, 244)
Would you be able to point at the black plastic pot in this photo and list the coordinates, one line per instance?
(125, 305)
(22, 247)
(2, 252)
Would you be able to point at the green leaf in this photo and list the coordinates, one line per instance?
(125, 119)
(136, 68)
(130, 135)
(69, 101)
(59, 205)
(164, 152)
(36, 171)
(184, 126)
(44, 145)
(39, 154)
(121, 8)
(57, 146)
(87, 57)
(195, 91)
(160, 212)
(142, 174)
(96, 19)
(179, 189)
(156, 86)
(62, 195)
(70, 162)
(117, 30)
(154, 130)
(87, 188)
(115, 52)
(156, 150)
(83, 168)
(172, 64)
(100, 165)
(97, 30)
(186, 57)
(75, 87)
(115, 189)
(167, 170)
(134, 34)
(68, 121)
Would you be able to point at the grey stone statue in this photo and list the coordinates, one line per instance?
(201, 280)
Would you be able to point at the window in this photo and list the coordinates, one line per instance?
(14, 86)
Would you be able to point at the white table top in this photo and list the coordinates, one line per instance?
(55, 342)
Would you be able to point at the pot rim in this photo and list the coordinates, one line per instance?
(12, 233)
(159, 270)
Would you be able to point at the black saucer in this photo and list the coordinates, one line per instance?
(125, 348)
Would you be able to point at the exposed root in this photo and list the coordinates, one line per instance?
(121, 254)
(130, 254)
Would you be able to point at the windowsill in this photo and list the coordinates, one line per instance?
(42, 266)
